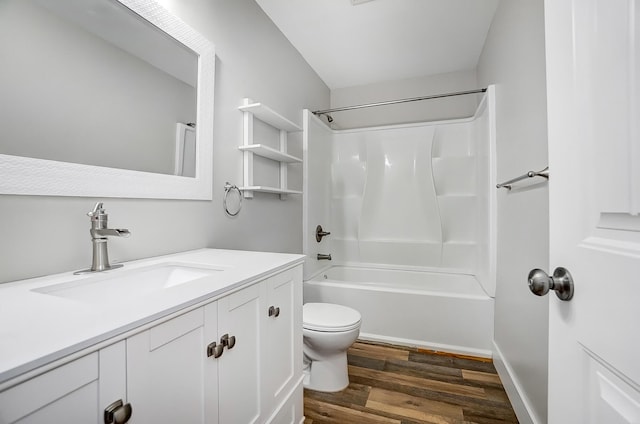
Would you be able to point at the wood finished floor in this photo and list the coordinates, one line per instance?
(390, 384)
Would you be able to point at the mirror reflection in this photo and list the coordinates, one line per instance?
(90, 82)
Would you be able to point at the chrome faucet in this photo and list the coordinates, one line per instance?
(99, 233)
(322, 256)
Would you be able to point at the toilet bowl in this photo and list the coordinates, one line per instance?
(328, 331)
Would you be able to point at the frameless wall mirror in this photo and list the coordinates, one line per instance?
(104, 98)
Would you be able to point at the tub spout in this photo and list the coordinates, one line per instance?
(322, 256)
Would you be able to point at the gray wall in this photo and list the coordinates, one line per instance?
(514, 60)
(42, 235)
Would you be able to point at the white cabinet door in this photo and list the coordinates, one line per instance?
(282, 337)
(169, 379)
(239, 316)
(67, 394)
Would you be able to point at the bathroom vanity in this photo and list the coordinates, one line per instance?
(208, 336)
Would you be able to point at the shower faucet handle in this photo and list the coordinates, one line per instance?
(320, 233)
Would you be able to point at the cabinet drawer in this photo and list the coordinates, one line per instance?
(69, 391)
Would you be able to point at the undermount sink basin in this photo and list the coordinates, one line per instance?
(125, 284)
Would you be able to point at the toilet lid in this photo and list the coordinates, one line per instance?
(329, 317)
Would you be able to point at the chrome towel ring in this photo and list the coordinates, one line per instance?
(228, 187)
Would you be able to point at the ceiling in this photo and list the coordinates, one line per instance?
(358, 42)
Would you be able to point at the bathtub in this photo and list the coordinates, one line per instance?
(431, 310)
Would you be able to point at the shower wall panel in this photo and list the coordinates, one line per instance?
(454, 164)
(383, 193)
(405, 196)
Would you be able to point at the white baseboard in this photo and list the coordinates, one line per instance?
(519, 401)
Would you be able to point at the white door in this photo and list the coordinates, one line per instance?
(593, 86)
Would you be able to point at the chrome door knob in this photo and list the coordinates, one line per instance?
(561, 282)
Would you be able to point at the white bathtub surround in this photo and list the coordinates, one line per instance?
(411, 210)
(432, 310)
(414, 195)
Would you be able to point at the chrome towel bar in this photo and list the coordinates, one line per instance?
(542, 173)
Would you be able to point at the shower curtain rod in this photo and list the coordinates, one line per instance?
(393, 102)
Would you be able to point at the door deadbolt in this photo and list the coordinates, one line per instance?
(561, 282)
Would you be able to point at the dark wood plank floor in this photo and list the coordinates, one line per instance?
(390, 384)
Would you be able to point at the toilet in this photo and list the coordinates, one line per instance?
(328, 331)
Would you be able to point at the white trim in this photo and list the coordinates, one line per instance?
(28, 176)
(519, 401)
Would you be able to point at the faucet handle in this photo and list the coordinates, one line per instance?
(97, 211)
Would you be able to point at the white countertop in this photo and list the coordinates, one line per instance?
(37, 328)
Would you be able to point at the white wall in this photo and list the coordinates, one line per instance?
(513, 59)
(44, 235)
(429, 110)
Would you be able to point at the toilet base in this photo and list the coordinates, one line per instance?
(328, 375)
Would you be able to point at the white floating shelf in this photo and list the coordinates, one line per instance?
(271, 117)
(270, 153)
(265, 189)
(251, 111)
